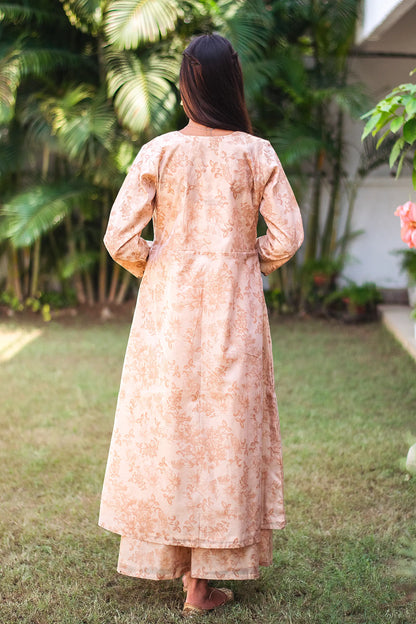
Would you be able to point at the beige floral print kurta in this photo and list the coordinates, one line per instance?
(195, 457)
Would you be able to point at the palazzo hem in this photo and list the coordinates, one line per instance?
(248, 576)
(153, 561)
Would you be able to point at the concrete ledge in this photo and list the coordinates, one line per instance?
(397, 319)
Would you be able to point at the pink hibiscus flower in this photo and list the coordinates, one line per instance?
(407, 214)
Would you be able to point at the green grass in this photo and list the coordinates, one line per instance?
(347, 398)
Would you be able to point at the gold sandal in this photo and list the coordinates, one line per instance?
(190, 609)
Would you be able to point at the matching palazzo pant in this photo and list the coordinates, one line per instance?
(161, 561)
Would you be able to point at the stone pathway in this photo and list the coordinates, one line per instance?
(397, 319)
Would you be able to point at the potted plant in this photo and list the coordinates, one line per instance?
(322, 271)
(408, 264)
(318, 281)
(359, 302)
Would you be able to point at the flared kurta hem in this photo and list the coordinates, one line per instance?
(194, 542)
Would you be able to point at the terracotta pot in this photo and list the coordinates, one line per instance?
(320, 279)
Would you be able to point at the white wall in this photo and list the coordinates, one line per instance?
(371, 257)
(379, 193)
(379, 15)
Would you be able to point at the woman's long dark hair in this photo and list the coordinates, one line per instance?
(211, 84)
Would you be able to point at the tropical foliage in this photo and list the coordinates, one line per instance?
(83, 83)
(396, 114)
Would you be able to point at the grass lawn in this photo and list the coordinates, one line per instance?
(347, 399)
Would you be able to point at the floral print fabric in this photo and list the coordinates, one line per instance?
(195, 457)
(160, 561)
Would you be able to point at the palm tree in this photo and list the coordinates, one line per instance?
(29, 59)
(127, 57)
(308, 96)
(83, 83)
(81, 147)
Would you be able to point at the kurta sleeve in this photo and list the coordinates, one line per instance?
(131, 212)
(281, 213)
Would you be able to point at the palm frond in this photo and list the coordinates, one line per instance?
(86, 135)
(142, 89)
(79, 125)
(18, 14)
(84, 14)
(79, 261)
(124, 156)
(41, 61)
(290, 74)
(9, 81)
(83, 109)
(129, 23)
(31, 213)
(372, 157)
(352, 99)
(257, 75)
(34, 114)
(73, 97)
(8, 158)
(342, 15)
(303, 7)
(295, 144)
(11, 140)
(20, 61)
(247, 24)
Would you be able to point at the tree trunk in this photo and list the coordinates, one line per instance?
(25, 253)
(102, 270)
(313, 226)
(329, 235)
(34, 265)
(348, 222)
(15, 274)
(125, 282)
(35, 268)
(89, 286)
(114, 282)
(313, 222)
(77, 280)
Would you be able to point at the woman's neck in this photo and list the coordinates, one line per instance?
(197, 129)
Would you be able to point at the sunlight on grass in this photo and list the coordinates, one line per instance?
(12, 341)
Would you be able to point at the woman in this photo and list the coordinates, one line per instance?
(194, 476)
